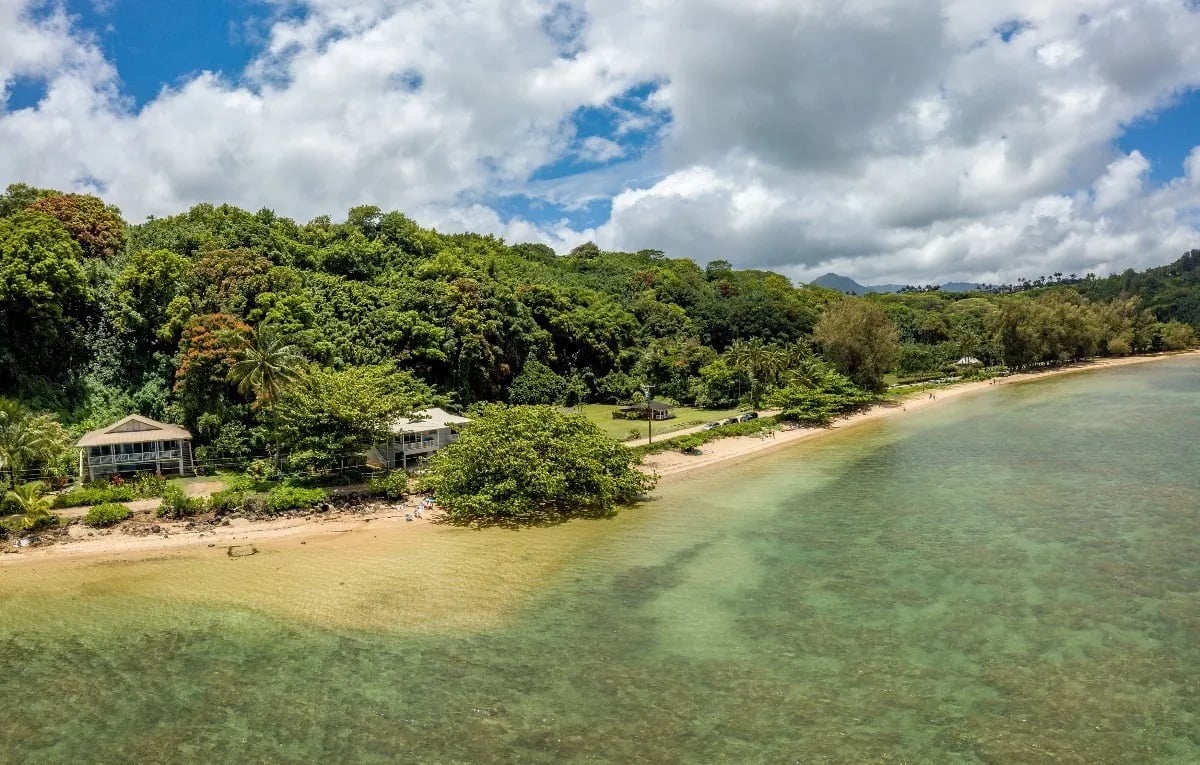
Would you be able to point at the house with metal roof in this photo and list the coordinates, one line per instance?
(416, 437)
(135, 444)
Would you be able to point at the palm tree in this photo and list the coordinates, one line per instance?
(26, 438)
(267, 365)
(757, 361)
(28, 497)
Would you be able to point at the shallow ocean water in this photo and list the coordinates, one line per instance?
(1010, 577)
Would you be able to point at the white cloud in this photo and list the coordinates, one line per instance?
(904, 140)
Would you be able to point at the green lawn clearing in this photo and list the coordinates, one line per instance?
(685, 417)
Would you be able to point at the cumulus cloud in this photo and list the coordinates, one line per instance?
(897, 140)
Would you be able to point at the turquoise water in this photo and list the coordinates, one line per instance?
(1012, 577)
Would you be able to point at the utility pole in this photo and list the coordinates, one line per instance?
(646, 389)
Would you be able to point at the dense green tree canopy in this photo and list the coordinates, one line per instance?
(98, 318)
(46, 300)
(333, 414)
(858, 338)
(97, 227)
(520, 464)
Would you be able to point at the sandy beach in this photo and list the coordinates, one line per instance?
(242, 537)
(673, 465)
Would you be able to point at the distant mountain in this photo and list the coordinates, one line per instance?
(851, 287)
(960, 287)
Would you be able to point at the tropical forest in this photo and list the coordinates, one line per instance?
(295, 345)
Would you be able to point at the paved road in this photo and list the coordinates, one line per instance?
(686, 431)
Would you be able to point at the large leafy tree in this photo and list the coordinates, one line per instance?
(19, 196)
(27, 439)
(856, 335)
(97, 227)
(337, 413)
(537, 384)
(209, 347)
(138, 309)
(46, 301)
(529, 464)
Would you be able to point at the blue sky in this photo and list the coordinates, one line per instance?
(1166, 136)
(157, 44)
(906, 141)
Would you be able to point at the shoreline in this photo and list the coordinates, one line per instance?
(673, 466)
(87, 546)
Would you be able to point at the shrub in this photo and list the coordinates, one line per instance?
(106, 514)
(261, 470)
(96, 495)
(227, 501)
(254, 504)
(177, 504)
(688, 444)
(11, 526)
(149, 485)
(392, 485)
(283, 498)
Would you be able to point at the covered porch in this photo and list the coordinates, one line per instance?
(419, 436)
(135, 444)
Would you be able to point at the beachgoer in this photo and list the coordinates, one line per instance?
(408, 516)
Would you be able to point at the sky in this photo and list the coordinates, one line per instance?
(910, 141)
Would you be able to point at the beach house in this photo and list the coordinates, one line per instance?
(135, 444)
(418, 436)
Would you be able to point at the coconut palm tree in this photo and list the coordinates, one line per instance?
(759, 362)
(27, 439)
(29, 499)
(267, 364)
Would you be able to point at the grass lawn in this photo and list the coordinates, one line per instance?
(685, 417)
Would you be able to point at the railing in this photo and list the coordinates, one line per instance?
(423, 445)
(134, 457)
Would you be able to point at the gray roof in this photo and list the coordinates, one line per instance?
(134, 429)
(427, 419)
(658, 406)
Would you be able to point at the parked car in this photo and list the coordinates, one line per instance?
(748, 416)
(731, 421)
(711, 425)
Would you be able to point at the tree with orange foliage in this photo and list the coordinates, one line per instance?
(97, 227)
(211, 344)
